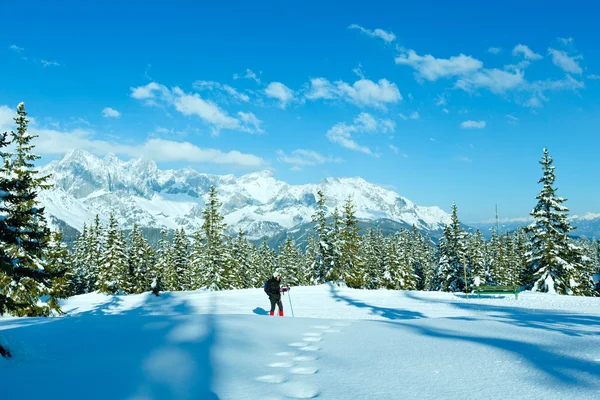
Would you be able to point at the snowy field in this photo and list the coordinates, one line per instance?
(341, 344)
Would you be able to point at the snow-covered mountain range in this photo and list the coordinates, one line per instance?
(136, 191)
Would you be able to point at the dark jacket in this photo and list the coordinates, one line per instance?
(273, 288)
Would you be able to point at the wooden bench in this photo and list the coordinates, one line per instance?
(479, 290)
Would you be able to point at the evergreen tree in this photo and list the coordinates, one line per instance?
(477, 258)
(267, 261)
(498, 262)
(324, 262)
(554, 264)
(140, 257)
(350, 265)
(311, 257)
(113, 271)
(242, 262)
(288, 262)
(217, 270)
(182, 274)
(453, 255)
(23, 231)
(163, 263)
(59, 263)
(79, 263)
(94, 251)
(372, 252)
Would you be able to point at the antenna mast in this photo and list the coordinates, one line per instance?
(497, 226)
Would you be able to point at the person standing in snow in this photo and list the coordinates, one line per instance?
(274, 291)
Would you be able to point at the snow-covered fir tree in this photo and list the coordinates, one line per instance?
(59, 263)
(349, 266)
(554, 265)
(25, 235)
(79, 262)
(289, 261)
(267, 261)
(453, 255)
(217, 273)
(311, 257)
(372, 252)
(498, 261)
(113, 271)
(163, 262)
(182, 271)
(324, 262)
(242, 261)
(140, 258)
(476, 255)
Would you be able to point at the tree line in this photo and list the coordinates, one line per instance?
(35, 264)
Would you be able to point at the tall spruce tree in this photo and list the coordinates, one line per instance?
(453, 256)
(140, 262)
(163, 263)
(288, 262)
(477, 258)
(350, 265)
(59, 263)
(182, 276)
(324, 262)
(23, 231)
(217, 272)
(554, 265)
(113, 271)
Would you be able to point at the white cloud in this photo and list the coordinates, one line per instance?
(495, 80)
(494, 50)
(526, 52)
(110, 113)
(397, 151)
(301, 157)
(249, 75)
(321, 88)
(414, 115)
(593, 76)
(279, 91)
(147, 91)
(251, 120)
(566, 41)
(431, 68)
(518, 66)
(363, 93)
(16, 48)
(50, 63)
(462, 158)
(193, 104)
(563, 61)
(473, 124)
(441, 100)
(512, 119)
(388, 37)
(211, 85)
(341, 133)
(358, 71)
(57, 142)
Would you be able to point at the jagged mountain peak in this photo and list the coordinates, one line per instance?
(137, 191)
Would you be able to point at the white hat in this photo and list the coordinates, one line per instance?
(276, 274)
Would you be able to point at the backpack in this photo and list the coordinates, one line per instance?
(266, 284)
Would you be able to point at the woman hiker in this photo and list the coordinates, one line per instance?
(274, 291)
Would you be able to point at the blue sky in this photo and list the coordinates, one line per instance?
(440, 102)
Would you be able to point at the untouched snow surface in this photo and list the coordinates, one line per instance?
(341, 344)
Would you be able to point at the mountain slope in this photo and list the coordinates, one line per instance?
(137, 191)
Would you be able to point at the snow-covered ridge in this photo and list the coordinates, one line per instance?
(136, 191)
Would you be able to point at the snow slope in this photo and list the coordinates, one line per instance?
(136, 191)
(341, 344)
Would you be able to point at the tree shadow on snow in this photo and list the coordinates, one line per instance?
(565, 369)
(385, 312)
(127, 355)
(556, 321)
